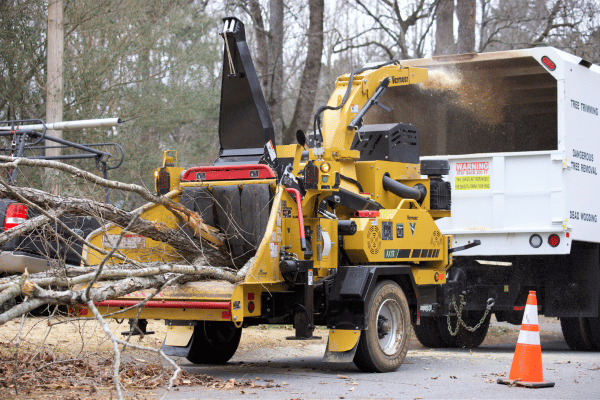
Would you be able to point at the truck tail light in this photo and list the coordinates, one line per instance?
(548, 63)
(553, 240)
(16, 213)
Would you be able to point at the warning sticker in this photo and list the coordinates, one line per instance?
(472, 176)
(127, 241)
(478, 182)
(473, 168)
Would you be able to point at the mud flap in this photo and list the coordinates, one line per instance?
(178, 341)
(341, 345)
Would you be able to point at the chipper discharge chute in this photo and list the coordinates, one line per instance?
(337, 231)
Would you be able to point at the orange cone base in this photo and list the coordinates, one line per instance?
(527, 363)
(531, 385)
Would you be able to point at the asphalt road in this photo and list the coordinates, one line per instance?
(299, 373)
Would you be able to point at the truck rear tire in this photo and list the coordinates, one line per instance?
(464, 339)
(214, 342)
(576, 332)
(594, 324)
(428, 333)
(383, 345)
(470, 340)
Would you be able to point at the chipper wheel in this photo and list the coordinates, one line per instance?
(383, 345)
(214, 342)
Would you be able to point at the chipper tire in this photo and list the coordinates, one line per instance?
(383, 345)
(214, 342)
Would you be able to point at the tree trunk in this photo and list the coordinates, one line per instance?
(310, 75)
(262, 47)
(54, 83)
(275, 90)
(465, 12)
(444, 33)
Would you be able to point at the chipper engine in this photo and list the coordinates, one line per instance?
(338, 230)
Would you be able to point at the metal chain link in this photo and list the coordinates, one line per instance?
(459, 320)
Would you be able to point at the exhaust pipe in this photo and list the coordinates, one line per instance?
(418, 192)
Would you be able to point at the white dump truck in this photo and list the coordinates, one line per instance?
(521, 130)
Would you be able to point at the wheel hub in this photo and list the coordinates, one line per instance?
(383, 326)
(389, 326)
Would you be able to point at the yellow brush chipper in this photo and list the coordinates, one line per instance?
(338, 230)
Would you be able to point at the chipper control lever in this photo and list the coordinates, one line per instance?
(300, 217)
(374, 100)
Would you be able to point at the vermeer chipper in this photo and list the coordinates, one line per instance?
(337, 231)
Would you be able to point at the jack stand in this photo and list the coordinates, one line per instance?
(303, 315)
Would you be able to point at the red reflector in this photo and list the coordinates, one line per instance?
(548, 63)
(366, 214)
(518, 308)
(226, 315)
(16, 213)
(250, 296)
(553, 240)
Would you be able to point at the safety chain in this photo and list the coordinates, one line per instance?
(459, 320)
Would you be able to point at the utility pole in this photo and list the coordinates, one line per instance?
(54, 83)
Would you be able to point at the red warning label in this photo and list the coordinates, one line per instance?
(472, 168)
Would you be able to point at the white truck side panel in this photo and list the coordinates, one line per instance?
(582, 146)
(503, 199)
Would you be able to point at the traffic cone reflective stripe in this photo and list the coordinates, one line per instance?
(527, 367)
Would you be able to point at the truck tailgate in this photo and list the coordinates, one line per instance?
(503, 199)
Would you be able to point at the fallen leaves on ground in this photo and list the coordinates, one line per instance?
(46, 371)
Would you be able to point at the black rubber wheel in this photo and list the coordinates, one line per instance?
(428, 332)
(594, 330)
(469, 340)
(576, 332)
(464, 339)
(383, 345)
(594, 325)
(214, 342)
(447, 338)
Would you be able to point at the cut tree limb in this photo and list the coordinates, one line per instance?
(157, 231)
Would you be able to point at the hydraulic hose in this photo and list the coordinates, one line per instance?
(418, 192)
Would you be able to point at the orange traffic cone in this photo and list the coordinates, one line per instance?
(527, 367)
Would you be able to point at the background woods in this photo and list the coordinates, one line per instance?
(160, 61)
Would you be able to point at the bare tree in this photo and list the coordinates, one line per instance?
(465, 12)
(309, 83)
(444, 32)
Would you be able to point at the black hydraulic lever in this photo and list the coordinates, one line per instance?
(374, 100)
